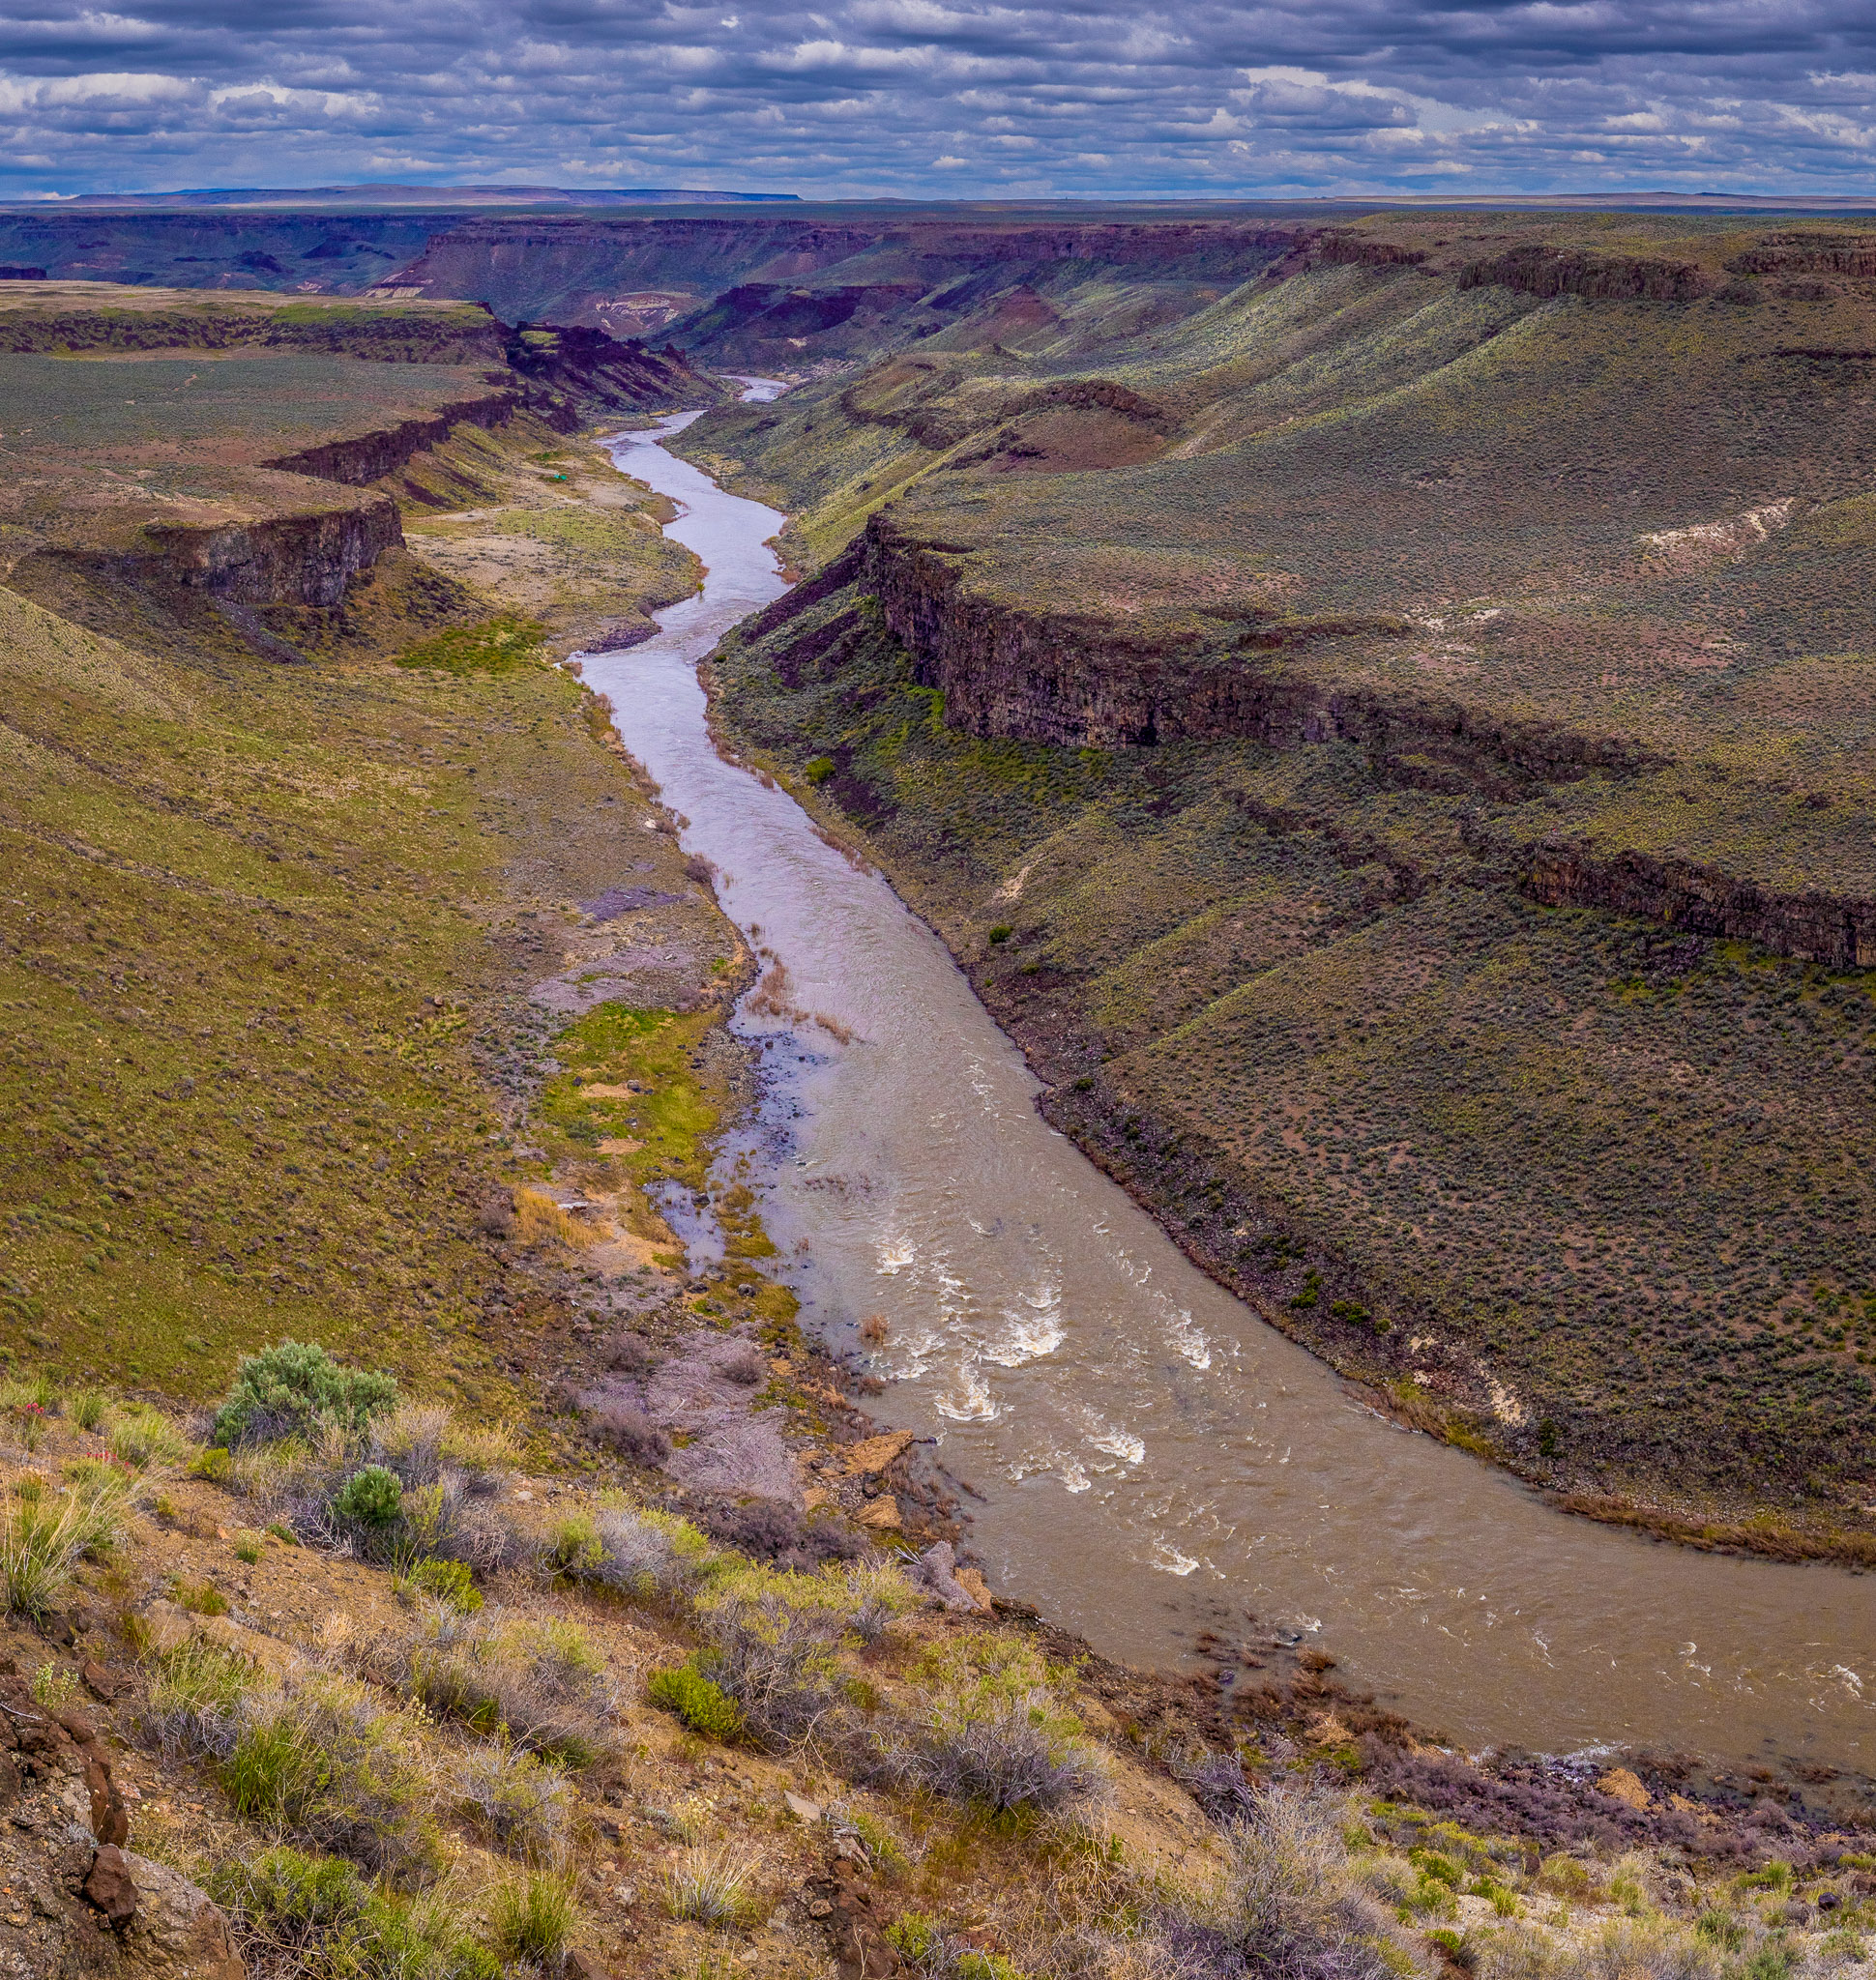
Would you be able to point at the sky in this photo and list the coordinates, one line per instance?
(925, 99)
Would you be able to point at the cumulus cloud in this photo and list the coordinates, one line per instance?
(897, 96)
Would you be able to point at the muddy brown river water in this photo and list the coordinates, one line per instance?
(1151, 1456)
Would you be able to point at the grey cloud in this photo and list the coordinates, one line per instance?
(869, 96)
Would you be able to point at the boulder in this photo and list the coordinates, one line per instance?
(178, 1934)
(936, 1569)
(111, 1887)
(977, 1589)
(170, 1627)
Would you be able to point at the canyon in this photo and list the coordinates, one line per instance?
(1407, 710)
(1376, 708)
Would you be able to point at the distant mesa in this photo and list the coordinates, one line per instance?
(377, 195)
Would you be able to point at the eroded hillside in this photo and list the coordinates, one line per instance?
(1392, 743)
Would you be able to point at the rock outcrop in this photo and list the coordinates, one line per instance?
(304, 559)
(1538, 269)
(461, 334)
(76, 1900)
(1029, 675)
(570, 374)
(362, 458)
(1085, 682)
(1812, 926)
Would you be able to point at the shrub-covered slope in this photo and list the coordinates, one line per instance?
(348, 1694)
(1392, 746)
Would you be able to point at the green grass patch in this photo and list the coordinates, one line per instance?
(497, 646)
(618, 1046)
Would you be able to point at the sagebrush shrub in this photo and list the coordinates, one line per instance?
(294, 1388)
(448, 1581)
(300, 1914)
(372, 1496)
(993, 1731)
(523, 1804)
(325, 1762)
(626, 1430)
(542, 1680)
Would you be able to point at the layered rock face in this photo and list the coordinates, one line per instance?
(248, 476)
(1088, 682)
(362, 458)
(1812, 925)
(1034, 675)
(791, 285)
(570, 374)
(102, 316)
(304, 559)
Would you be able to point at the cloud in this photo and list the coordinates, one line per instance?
(895, 97)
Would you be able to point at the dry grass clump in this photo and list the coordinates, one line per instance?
(143, 1438)
(993, 1730)
(629, 1432)
(1293, 1903)
(327, 1762)
(530, 1917)
(634, 1549)
(43, 1538)
(538, 1681)
(540, 1220)
(709, 1886)
(195, 1697)
(523, 1804)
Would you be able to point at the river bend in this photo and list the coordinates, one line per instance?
(1152, 1458)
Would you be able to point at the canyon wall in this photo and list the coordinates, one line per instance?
(305, 559)
(362, 458)
(1809, 926)
(463, 336)
(1091, 683)
(1027, 675)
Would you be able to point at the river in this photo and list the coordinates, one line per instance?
(1152, 1457)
